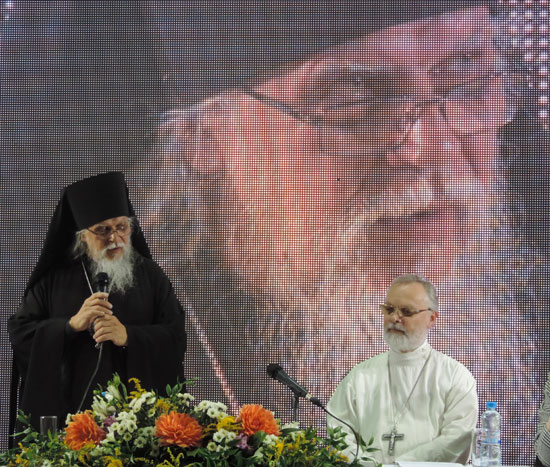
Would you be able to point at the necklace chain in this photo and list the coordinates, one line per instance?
(397, 415)
(87, 278)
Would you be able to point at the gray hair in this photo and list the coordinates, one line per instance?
(431, 292)
(79, 248)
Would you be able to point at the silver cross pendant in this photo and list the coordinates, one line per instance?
(392, 438)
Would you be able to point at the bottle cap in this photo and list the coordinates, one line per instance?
(491, 405)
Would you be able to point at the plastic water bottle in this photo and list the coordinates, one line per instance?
(490, 441)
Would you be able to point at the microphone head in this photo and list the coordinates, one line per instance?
(101, 282)
(102, 277)
(273, 369)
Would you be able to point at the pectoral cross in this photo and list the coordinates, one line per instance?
(392, 438)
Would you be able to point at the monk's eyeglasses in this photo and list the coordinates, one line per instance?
(105, 231)
(405, 312)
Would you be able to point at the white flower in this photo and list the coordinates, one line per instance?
(295, 425)
(127, 421)
(97, 451)
(186, 397)
(218, 436)
(148, 430)
(203, 405)
(46, 463)
(113, 391)
(135, 404)
(115, 428)
(221, 437)
(270, 440)
(147, 398)
(140, 442)
(101, 408)
(213, 412)
(211, 446)
(68, 419)
(221, 407)
(110, 437)
(259, 454)
(127, 437)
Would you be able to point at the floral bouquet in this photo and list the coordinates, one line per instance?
(142, 428)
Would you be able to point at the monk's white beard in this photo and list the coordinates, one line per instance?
(406, 342)
(120, 270)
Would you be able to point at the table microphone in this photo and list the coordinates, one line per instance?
(276, 372)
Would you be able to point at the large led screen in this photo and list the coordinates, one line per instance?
(287, 160)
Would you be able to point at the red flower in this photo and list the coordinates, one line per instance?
(255, 418)
(178, 428)
(83, 430)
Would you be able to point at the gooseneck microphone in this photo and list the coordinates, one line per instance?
(276, 372)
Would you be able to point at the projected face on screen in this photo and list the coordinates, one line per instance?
(298, 200)
(369, 160)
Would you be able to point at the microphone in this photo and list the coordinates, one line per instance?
(101, 282)
(276, 372)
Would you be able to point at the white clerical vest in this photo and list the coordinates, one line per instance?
(438, 421)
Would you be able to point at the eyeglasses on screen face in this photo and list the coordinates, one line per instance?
(382, 120)
(405, 312)
(105, 231)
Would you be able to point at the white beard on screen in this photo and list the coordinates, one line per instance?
(120, 270)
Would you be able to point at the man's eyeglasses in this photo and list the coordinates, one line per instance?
(405, 312)
(105, 231)
(383, 123)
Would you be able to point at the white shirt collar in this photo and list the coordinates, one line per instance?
(417, 355)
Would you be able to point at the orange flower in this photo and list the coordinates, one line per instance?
(255, 418)
(83, 430)
(178, 428)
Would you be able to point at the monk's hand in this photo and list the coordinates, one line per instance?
(109, 328)
(94, 307)
(548, 424)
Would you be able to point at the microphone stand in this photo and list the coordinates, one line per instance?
(295, 406)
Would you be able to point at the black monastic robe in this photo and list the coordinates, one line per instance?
(56, 363)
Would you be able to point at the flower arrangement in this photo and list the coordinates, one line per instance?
(142, 428)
